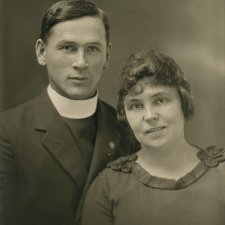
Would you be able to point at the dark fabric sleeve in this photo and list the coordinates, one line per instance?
(7, 178)
(97, 206)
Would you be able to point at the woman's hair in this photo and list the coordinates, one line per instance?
(68, 10)
(163, 70)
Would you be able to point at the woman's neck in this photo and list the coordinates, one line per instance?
(172, 161)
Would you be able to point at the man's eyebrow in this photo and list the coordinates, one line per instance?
(66, 41)
(62, 42)
(94, 43)
(73, 42)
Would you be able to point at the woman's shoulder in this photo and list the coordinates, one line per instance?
(118, 171)
(123, 164)
(116, 175)
(212, 156)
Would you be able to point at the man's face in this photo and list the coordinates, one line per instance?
(75, 55)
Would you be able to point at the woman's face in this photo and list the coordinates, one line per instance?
(154, 114)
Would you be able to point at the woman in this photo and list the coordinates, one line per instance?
(168, 181)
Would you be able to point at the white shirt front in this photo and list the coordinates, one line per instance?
(74, 109)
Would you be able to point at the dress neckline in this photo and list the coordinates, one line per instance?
(170, 184)
(210, 157)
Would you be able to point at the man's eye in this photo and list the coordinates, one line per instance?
(68, 48)
(92, 49)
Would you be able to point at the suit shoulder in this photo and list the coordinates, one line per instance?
(18, 109)
(27, 106)
(108, 107)
(17, 115)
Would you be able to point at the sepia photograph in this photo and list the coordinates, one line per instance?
(112, 112)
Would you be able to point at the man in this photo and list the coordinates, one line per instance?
(52, 147)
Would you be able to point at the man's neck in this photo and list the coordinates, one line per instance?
(74, 109)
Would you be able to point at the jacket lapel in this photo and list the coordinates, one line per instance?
(58, 139)
(106, 144)
(107, 140)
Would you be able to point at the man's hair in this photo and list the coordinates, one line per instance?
(163, 70)
(68, 10)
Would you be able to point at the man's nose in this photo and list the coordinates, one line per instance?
(79, 60)
(150, 114)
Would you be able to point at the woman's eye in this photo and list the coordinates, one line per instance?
(161, 100)
(137, 106)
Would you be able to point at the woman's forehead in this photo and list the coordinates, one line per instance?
(148, 85)
(141, 85)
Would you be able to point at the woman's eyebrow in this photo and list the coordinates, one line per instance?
(159, 94)
(132, 100)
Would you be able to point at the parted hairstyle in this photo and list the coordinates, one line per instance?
(68, 10)
(163, 70)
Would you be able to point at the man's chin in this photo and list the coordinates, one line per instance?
(81, 95)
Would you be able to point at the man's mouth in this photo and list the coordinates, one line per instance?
(154, 129)
(78, 79)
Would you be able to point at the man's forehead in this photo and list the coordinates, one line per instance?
(80, 31)
(84, 22)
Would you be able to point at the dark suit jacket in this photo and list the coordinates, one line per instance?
(41, 169)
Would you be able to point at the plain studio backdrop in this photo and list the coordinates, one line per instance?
(191, 31)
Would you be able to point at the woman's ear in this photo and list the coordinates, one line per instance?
(40, 51)
(108, 54)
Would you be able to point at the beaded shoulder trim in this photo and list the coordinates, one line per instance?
(212, 156)
(123, 164)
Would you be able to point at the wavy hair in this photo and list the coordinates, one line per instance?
(164, 71)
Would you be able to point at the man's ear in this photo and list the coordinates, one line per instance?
(108, 55)
(40, 48)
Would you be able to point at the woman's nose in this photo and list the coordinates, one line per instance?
(150, 115)
(79, 61)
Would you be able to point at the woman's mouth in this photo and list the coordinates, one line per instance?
(154, 129)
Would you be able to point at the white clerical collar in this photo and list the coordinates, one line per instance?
(74, 109)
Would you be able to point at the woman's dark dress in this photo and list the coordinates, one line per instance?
(126, 194)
